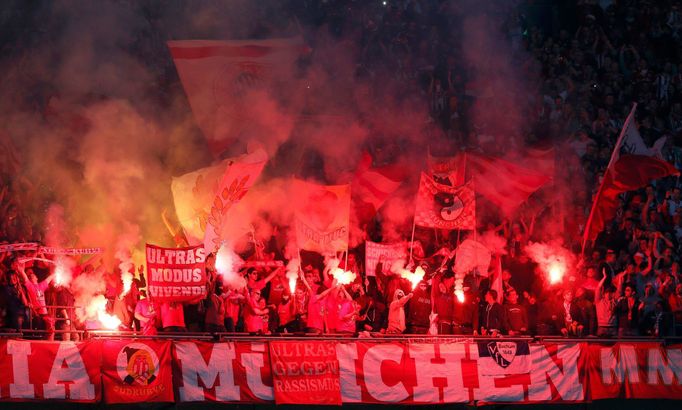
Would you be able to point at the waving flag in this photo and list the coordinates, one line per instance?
(218, 77)
(633, 165)
(373, 186)
(322, 216)
(504, 183)
(194, 194)
(235, 184)
(445, 207)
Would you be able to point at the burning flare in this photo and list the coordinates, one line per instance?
(414, 277)
(292, 273)
(343, 277)
(62, 272)
(556, 272)
(97, 309)
(459, 294)
(227, 264)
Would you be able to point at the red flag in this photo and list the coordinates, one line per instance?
(373, 186)
(504, 183)
(219, 76)
(636, 168)
(445, 207)
(137, 371)
(322, 216)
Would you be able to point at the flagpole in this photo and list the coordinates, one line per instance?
(614, 154)
(414, 225)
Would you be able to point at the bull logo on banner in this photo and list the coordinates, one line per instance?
(137, 364)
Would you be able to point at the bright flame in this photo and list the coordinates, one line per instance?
(414, 277)
(292, 273)
(343, 277)
(224, 260)
(127, 279)
(556, 272)
(227, 264)
(62, 272)
(97, 309)
(459, 294)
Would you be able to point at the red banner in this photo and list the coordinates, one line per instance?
(137, 371)
(65, 371)
(369, 371)
(176, 274)
(305, 372)
(635, 371)
(222, 372)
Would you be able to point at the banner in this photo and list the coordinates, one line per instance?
(305, 372)
(635, 371)
(388, 253)
(222, 372)
(48, 250)
(235, 184)
(372, 371)
(65, 371)
(13, 247)
(322, 216)
(445, 207)
(176, 274)
(137, 371)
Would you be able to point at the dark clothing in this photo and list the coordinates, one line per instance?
(466, 316)
(419, 309)
(628, 316)
(515, 318)
(588, 316)
(492, 317)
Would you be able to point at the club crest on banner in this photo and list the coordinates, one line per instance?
(137, 364)
(502, 352)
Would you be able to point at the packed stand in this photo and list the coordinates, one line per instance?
(593, 67)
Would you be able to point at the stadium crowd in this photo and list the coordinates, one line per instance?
(594, 63)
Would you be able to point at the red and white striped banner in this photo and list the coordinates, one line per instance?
(365, 371)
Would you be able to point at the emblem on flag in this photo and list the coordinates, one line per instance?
(445, 207)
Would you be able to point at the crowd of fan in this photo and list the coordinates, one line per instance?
(594, 64)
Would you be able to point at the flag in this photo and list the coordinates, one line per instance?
(445, 207)
(506, 184)
(633, 165)
(194, 194)
(500, 358)
(218, 76)
(373, 186)
(447, 170)
(322, 216)
(235, 184)
(541, 160)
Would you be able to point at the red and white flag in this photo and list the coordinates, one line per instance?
(506, 184)
(373, 186)
(322, 216)
(235, 184)
(445, 207)
(195, 193)
(219, 77)
(633, 168)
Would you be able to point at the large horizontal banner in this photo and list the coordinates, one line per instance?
(176, 274)
(317, 371)
(387, 253)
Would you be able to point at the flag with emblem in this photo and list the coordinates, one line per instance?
(498, 358)
(137, 371)
(322, 216)
(225, 82)
(445, 207)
